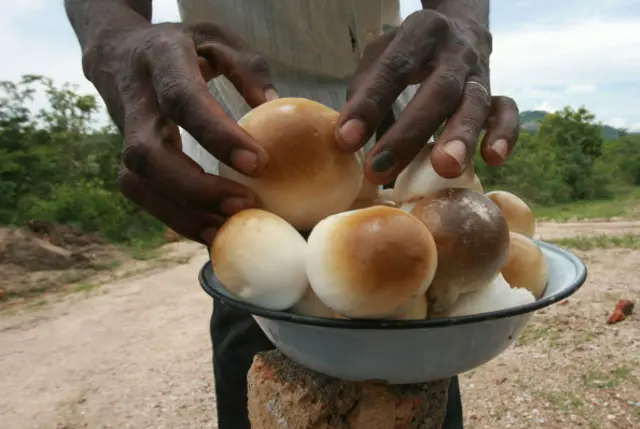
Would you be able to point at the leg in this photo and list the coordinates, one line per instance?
(236, 340)
(453, 418)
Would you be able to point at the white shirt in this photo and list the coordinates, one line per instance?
(312, 46)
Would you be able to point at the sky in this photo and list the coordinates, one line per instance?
(547, 53)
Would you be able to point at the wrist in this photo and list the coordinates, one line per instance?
(475, 12)
(90, 19)
(101, 46)
(477, 34)
(471, 18)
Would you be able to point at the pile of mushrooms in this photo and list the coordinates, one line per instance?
(431, 247)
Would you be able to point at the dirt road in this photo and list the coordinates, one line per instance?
(552, 231)
(136, 354)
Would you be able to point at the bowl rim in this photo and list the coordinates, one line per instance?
(206, 275)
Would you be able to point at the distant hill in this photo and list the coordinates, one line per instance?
(530, 121)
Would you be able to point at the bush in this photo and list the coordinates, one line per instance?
(54, 167)
(90, 207)
(566, 160)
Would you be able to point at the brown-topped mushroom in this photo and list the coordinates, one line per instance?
(472, 239)
(370, 263)
(307, 177)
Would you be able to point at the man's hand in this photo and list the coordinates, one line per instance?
(449, 58)
(153, 79)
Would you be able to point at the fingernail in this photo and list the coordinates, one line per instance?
(500, 147)
(383, 161)
(244, 161)
(271, 94)
(352, 132)
(457, 150)
(233, 205)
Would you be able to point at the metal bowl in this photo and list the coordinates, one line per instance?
(404, 351)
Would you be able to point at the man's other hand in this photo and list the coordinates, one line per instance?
(449, 59)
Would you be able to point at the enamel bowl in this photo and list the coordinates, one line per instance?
(404, 351)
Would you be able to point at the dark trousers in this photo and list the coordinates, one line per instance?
(236, 339)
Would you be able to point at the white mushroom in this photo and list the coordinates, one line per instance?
(498, 295)
(260, 257)
(419, 179)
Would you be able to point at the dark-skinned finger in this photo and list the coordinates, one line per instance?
(192, 224)
(456, 145)
(150, 154)
(406, 60)
(205, 69)
(247, 71)
(231, 56)
(373, 91)
(183, 97)
(434, 102)
(372, 52)
(182, 179)
(372, 99)
(503, 130)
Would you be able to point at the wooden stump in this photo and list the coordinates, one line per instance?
(284, 395)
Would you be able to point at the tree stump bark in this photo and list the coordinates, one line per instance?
(284, 395)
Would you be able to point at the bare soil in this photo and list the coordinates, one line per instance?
(135, 353)
(41, 261)
(553, 231)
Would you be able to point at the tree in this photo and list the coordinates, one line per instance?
(561, 162)
(56, 166)
(573, 140)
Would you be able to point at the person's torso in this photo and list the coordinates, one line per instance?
(312, 47)
(321, 37)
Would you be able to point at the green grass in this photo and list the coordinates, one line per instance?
(144, 254)
(564, 402)
(626, 241)
(86, 287)
(625, 204)
(553, 335)
(535, 333)
(607, 380)
(147, 248)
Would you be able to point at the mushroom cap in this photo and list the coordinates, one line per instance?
(472, 240)
(260, 258)
(526, 266)
(307, 177)
(419, 179)
(371, 262)
(416, 310)
(518, 214)
(496, 296)
(311, 305)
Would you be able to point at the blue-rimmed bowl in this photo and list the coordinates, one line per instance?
(404, 351)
